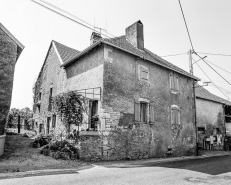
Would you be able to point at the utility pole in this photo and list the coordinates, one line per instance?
(19, 123)
(194, 94)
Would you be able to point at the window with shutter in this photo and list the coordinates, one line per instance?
(175, 116)
(143, 73)
(174, 84)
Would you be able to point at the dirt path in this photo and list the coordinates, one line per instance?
(20, 156)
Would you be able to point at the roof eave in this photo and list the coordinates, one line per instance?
(110, 44)
(19, 44)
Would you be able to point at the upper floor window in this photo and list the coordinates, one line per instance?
(50, 100)
(174, 84)
(143, 73)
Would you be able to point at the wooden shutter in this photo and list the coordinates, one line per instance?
(177, 83)
(171, 81)
(151, 113)
(172, 116)
(137, 111)
(179, 118)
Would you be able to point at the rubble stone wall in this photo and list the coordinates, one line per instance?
(8, 54)
(122, 88)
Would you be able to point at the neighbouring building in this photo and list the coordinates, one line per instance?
(213, 117)
(145, 104)
(10, 50)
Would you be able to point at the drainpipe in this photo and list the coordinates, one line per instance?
(195, 117)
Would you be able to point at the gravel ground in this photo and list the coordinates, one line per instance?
(20, 156)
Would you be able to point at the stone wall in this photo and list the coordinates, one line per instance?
(51, 76)
(8, 54)
(122, 88)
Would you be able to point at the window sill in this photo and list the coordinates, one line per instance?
(174, 92)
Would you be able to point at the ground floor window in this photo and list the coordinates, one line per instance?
(175, 116)
(144, 112)
(93, 115)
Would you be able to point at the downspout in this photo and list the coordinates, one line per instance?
(195, 117)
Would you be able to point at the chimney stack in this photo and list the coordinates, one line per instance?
(95, 37)
(135, 35)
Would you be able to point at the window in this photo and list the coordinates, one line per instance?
(175, 116)
(53, 121)
(50, 100)
(40, 96)
(143, 73)
(174, 84)
(144, 112)
(93, 115)
(48, 124)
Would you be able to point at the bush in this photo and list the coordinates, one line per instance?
(60, 149)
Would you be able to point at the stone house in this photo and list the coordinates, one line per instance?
(213, 115)
(144, 103)
(10, 50)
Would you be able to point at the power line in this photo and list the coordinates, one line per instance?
(225, 55)
(218, 67)
(186, 25)
(211, 80)
(174, 55)
(213, 69)
(70, 18)
(72, 15)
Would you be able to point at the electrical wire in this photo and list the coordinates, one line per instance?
(71, 15)
(218, 67)
(213, 69)
(211, 80)
(186, 25)
(174, 55)
(70, 18)
(225, 55)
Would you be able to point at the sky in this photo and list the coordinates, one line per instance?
(164, 34)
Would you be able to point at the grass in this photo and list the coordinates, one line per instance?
(20, 156)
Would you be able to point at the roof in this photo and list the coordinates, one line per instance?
(202, 93)
(19, 44)
(13, 38)
(123, 44)
(66, 53)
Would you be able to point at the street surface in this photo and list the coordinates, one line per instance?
(214, 170)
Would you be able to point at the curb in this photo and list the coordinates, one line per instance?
(103, 164)
(42, 172)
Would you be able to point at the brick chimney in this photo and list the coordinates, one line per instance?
(95, 37)
(135, 35)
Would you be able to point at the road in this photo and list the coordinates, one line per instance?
(214, 170)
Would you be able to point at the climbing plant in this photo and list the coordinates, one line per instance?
(70, 107)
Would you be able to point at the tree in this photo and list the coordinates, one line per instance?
(70, 107)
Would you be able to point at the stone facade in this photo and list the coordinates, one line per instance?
(10, 50)
(128, 84)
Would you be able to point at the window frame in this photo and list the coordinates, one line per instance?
(138, 113)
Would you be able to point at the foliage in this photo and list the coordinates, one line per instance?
(70, 107)
(60, 149)
(25, 114)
